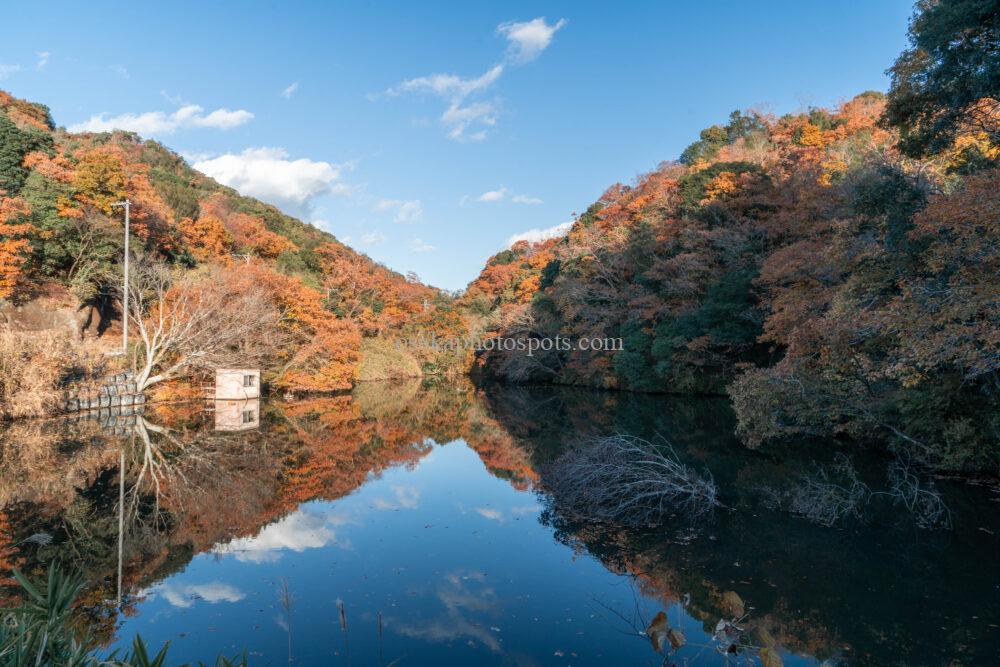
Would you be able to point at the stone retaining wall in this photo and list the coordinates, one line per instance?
(116, 391)
(113, 421)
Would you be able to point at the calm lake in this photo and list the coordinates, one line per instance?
(409, 525)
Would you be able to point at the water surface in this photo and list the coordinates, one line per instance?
(408, 524)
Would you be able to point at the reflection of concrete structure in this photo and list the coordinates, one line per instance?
(237, 415)
(234, 384)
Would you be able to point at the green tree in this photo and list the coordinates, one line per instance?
(632, 364)
(949, 78)
(549, 274)
(15, 143)
(710, 141)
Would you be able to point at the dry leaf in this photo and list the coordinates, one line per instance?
(657, 632)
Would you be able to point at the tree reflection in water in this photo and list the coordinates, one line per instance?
(181, 481)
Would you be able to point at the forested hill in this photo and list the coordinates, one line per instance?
(836, 271)
(58, 227)
(180, 213)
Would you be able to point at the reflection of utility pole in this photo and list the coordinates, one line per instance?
(127, 205)
(121, 521)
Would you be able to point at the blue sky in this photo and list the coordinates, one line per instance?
(428, 134)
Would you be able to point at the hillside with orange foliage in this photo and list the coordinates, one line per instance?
(828, 282)
(58, 224)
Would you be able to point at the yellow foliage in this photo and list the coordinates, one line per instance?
(99, 179)
(811, 136)
(831, 168)
(723, 184)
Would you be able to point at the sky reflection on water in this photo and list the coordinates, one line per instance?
(407, 523)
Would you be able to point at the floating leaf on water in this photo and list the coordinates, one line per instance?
(657, 632)
(677, 638)
(770, 658)
(733, 604)
(728, 635)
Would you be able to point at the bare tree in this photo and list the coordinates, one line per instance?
(626, 480)
(193, 322)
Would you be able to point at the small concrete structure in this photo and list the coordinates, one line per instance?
(237, 415)
(236, 384)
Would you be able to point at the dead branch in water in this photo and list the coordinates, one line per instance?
(627, 480)
(830, 494)
(836, 492)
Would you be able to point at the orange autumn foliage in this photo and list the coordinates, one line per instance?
(326, 348)
(105, 175)
(24, 113)
(57, 168)
(248, 232)
(14, 246)
(377, 298)
(206, 237)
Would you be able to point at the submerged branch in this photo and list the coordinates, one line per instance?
(627, 480)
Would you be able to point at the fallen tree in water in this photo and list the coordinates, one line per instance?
(626, 480)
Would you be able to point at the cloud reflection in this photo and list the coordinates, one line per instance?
(403, 497)
(501, 517)
(297, 532)
(185, 595)
(461, 593)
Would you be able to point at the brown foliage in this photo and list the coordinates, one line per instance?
(34, 368)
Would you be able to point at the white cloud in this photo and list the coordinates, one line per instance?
(374, 238)
(536, 235)
(418, 245)
(7, 70)
(469, 121)
(406, 211)
(223, 119)
(120, 70)
(493, 195)
(457, 119)
(448, 86)
(528, 39)
(196, 156)
(268, 174)
(524, 199)
(297, 532)
(43, 59)
(176, 100)
(185, 595)
(500, 194)
(153, 123)
(290, 90)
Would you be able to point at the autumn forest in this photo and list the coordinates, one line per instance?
(799, 358)
(834, 272)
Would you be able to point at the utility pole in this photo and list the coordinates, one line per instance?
(127, 205)
(121, 521)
